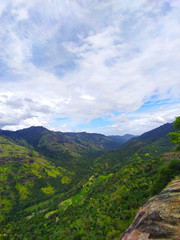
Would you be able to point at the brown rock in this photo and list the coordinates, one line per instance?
(159, 218)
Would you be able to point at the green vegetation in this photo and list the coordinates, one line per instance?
(175, 136)
(165, 174)
(172, 169)
(48, 190)
(78, 190)
(26, 178)
(102, 209)
(75, 151)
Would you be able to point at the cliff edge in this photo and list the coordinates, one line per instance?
(159, 218)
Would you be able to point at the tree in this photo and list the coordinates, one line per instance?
(175, 136)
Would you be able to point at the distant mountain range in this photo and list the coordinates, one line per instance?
(34, 135)
(66, 149)
(123, 138)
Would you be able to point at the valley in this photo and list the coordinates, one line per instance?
(89, 126)
(58, 185)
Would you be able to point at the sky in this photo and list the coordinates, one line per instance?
(105, 66)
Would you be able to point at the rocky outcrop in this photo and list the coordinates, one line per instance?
(159, 218)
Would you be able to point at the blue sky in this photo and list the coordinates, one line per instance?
(110, 67)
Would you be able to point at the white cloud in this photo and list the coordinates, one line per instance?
(87, 97)
(21, 14)
(88, 59)
(138, 123)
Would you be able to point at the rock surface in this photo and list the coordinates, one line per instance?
(159, 218)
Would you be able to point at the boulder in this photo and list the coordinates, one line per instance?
(159, 218)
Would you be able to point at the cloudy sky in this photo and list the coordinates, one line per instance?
(106, 66)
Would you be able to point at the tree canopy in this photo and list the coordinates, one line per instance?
(175, 136)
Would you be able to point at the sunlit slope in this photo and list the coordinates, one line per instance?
(102, 209)
(26, 177)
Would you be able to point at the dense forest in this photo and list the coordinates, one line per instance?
(56, 185)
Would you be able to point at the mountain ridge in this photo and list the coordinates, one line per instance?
(136, 145)
(63, 148)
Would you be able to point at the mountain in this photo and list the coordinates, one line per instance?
(73, 151)
(34, 137)
(159, 218)
(123, 138)
(100, 204)
(153, 142)
(36, 163)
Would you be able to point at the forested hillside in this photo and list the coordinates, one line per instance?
(26, 178)
(153, 142)
(43, 196)
(76, 151)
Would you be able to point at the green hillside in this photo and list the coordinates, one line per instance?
(153, 142)
(75, 151)
(26, 177)
(101, 205)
